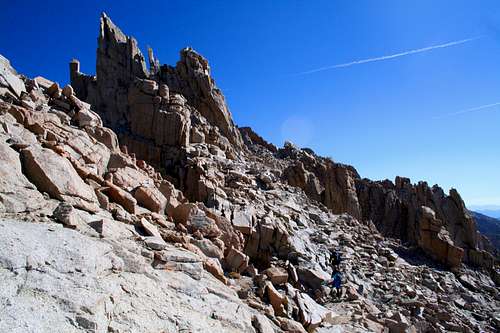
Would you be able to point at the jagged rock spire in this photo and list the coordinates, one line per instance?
(192, 75)
(137, 110)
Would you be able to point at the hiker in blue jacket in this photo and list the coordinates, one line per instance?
(336, 283)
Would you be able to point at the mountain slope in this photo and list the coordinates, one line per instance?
(174, 219)
(489, 212)
(488, 226)
(164, 116)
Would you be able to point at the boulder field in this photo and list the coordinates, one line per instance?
(131, 202)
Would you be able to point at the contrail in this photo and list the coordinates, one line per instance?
(392, 56)
(477, 108)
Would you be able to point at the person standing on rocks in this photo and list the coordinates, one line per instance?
(335, 283)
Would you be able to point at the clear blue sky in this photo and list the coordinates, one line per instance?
(387, 118)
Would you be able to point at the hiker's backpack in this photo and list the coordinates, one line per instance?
(335, 258)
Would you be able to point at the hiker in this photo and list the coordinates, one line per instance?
(336, 284)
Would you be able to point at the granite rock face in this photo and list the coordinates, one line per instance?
(85, 284)
(173, 219)
(191, 77)
(26, 196)
(10, 83)
(424, 216)
(152, 111)
(394, 208)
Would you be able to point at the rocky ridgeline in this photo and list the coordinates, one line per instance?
(172, 219)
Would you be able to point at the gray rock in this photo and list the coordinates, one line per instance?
(112, 229)
(83, 283)
(150, 229)
(67, 215)
(17, 194)
(9, 78)
(155, 242)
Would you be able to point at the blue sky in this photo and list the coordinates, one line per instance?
(398, 116)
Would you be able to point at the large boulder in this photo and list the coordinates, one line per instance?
(17, 194)
(235, 261)
(9, 78)
(120, 196)
(150, 198)
(55, 175)
(311, 313)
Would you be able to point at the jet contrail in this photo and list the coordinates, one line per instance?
(477, 108)
(392, 56)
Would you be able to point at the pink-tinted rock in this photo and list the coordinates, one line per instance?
(55, 175)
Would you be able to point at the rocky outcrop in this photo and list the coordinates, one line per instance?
(181, 222)
(397, 210)
(490, 227)
(252, 139)
(10, 83)
(435, 240)
(191, 77)
(180, 106)
(424, 216)
(330, 183)
(101, 192)
(152, 112)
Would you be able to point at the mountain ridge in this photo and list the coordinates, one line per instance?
(490, 227)
(488, 212)
(137, 183)
(337, 186)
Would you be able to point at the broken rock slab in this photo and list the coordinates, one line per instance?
(176, 259)
(151, 198)
(17, 194)
(312, 278)
(55, 175)
(149, 228)
(72, 278)
(155, 243)
(276, 298)
(277, 275)
(121, 197)
(43, 82)
(242, 221)
(9, 78)
(311, 313)
(108, 228)
(236, 261)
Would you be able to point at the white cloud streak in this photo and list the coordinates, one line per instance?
(392, 56)
(474, 109)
